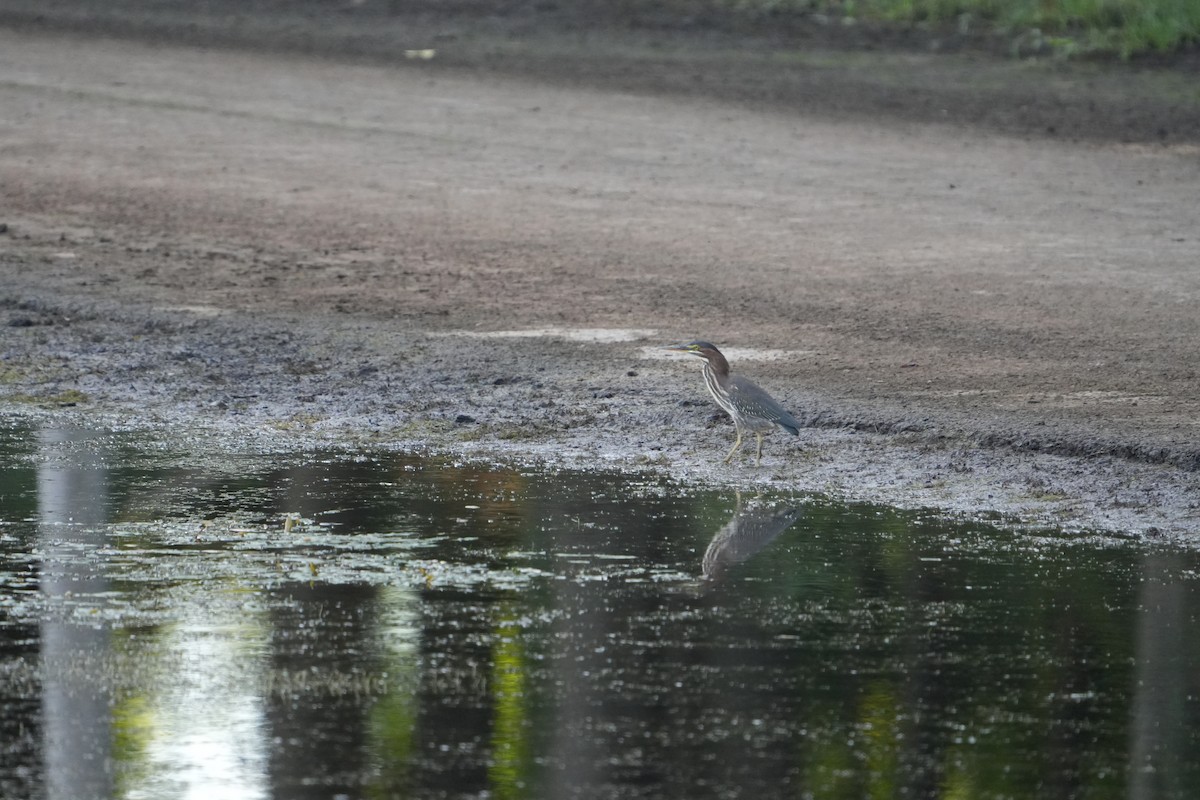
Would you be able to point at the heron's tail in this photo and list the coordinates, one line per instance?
(789, 424)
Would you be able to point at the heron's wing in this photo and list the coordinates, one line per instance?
(752, 399)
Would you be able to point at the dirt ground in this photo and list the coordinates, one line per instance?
(986, 306)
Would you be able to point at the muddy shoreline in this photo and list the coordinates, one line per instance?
(223, 381)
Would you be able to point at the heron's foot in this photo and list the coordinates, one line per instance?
(733, 450)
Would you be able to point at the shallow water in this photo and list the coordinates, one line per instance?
(319, 625)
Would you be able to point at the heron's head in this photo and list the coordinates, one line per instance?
(697, 348)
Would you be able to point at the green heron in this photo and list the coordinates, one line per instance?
(750, 406)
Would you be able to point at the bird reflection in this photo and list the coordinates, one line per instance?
(753, 527)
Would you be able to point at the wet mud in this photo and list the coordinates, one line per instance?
(566, 399)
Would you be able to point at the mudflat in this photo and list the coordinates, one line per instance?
(974, 310)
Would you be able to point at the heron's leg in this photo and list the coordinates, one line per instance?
(758, 456)
(734, 449)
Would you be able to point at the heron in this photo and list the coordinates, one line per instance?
(752, 409)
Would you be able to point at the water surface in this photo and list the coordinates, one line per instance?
(319, 625)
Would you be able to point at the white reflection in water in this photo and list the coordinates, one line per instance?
(72, 489)
(205, 729)
(1159, 720)
(195, 729)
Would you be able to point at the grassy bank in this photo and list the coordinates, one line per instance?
(1123, 28)
(1066, 27)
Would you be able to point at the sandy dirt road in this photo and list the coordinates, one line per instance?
(934, 280)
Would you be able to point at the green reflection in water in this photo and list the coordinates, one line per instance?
(510, 746)
(133, 728)
(881, 731)
(392, 720)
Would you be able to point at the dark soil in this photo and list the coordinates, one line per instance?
(799, 61)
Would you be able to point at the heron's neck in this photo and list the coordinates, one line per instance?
(718, 365)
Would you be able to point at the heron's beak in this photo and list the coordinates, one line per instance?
(681, 348)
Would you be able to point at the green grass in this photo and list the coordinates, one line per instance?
(1121, 27)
